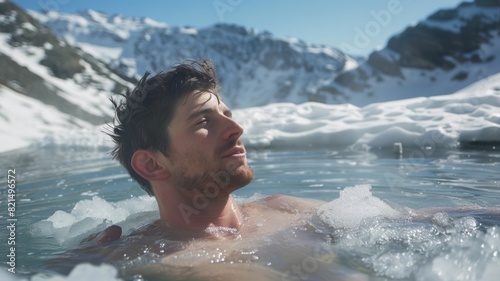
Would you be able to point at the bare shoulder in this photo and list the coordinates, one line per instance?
(292, 204)
(454, 211)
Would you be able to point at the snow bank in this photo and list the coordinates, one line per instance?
(470, 115)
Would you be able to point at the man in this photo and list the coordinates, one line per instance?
(177, 139)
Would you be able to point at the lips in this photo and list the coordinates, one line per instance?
(237, 151)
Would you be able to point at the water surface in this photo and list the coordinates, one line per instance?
(66, 193)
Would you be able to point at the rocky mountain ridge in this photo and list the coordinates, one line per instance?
(444, 53)
(449, 50)
(47, 85)
(39, 65)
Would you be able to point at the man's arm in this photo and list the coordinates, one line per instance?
(302, 205)
(453, 211)
(292, 204)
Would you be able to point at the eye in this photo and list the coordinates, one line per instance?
(203, 121)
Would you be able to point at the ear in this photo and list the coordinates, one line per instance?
(145, 163)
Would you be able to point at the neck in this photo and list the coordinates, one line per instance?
(194, 211)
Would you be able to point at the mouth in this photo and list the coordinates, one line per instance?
(237, 151)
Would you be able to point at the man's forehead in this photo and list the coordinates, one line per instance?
(197, 101)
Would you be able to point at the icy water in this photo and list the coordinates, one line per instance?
(362, 232)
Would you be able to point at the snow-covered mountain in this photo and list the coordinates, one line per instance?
(255, 67)
(47, 85)
(442, 54)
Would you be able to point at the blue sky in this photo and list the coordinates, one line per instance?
(355, 26)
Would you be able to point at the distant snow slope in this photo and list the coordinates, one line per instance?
(25, 121)
(26, 46)
(46, 85)
(470, 115)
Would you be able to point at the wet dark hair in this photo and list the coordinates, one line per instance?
(143, 115)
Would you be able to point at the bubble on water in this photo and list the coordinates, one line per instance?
(442, 219)
(444, 248)
(394, 265)
(466, 253)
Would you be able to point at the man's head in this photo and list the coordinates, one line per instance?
(174, 126)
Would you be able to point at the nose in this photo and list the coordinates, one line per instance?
(233, 129)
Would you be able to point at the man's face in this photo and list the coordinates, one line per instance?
(205, 147)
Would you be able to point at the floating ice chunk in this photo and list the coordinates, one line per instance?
(99, 208)
(61, 219)
(81, 272)
(84, 271)
(88, 216)
(354, 205)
